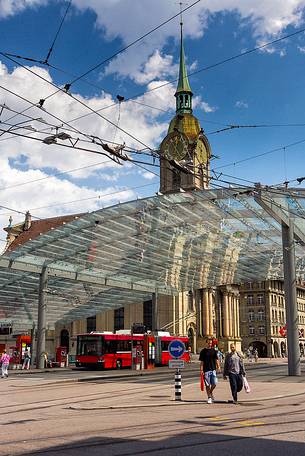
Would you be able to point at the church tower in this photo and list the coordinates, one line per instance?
(185, 151)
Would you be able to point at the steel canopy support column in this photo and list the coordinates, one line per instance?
(294, 363)
(41, 324)
(155, 311)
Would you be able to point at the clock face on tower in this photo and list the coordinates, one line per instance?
(175, 146)
(201, 152)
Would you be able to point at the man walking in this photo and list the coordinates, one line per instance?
(234, 369)
(209, 364)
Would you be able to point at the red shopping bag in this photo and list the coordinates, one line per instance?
(202, 381)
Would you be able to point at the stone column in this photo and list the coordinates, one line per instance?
(234, 316)
(225, 314)
(230, 315)
(205, 313)
(198, 305)
(237, 318)
(210, 300)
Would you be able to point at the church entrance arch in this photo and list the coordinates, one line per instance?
(65, 339)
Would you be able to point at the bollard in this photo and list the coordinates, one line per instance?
(178, 385)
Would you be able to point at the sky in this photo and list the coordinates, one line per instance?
(264, 88)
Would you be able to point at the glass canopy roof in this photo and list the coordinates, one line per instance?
(164, 244)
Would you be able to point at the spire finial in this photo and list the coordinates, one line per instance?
(183, 93)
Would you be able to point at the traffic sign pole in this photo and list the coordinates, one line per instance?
(178, 385)
(176, 350)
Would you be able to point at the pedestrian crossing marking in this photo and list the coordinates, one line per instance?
(250, 423)
(218, 418)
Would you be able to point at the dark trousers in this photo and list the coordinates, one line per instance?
(236, 384)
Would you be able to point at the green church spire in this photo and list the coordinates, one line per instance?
(183, 93)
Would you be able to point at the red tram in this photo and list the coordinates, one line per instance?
(109, 350)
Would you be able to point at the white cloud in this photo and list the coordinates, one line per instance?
(301, 49)
(157, 66)
(23, 160)
(266, 18)
(128, 20)
(200, 104)
(148, 175)
(241, 104)
(10, 7)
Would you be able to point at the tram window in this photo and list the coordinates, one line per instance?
(110, 346)
(123, 345)
(164, 345)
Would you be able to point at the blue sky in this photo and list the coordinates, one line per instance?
(266, 87)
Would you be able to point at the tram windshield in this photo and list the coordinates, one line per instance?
(89, 345)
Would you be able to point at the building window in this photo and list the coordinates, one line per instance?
(251, 315)
(147, 314)
(251, 330)
(118, 319)
(91, 324)
(261, 315)
(5, 331)
(260, 299)
(250, 300)
(261, 330)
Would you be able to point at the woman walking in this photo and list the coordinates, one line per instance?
(4, 360)
(234, 369)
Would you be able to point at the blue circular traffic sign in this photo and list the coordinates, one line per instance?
(176, 348)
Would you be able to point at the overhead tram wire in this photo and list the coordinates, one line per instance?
(61, 121)
(229, 59)
(57, 33)
(9, 55)
(78, 101)
(89, 150)
(95, 67)
(252, 157)
(236, 127)
(72, 129)
(214, 65)
(83, 149)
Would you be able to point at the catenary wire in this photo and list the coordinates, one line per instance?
(78, 101)
(108, 58)
(214, 65)
(57, 33)
(277, 149)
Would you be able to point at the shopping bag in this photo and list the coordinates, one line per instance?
(202, 381)
(247, 386)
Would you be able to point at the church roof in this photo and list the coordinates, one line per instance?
(186, 123)
(39, 227)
